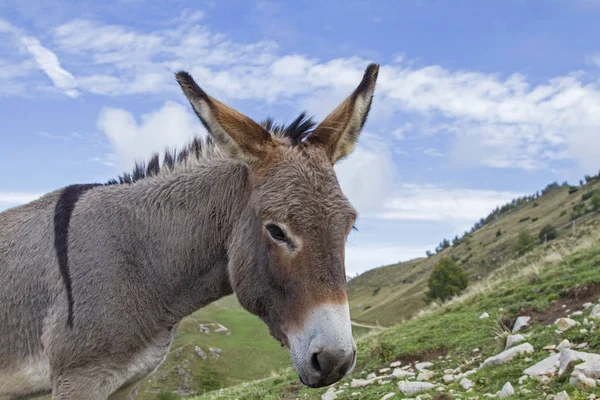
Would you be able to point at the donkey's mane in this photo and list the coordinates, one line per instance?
(200, 148)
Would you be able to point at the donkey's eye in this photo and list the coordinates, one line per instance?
(276, 233)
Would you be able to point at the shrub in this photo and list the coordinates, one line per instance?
(446, 280)
(587, 195)
(578, 211)
(573, 189)
(548, 232)
(524, 242)
(524, 219)
(499, 233)
(563, 213)
(596, 200)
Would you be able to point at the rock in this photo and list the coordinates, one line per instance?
(395, 364)
(199, 352)
(401, 374)
(565, 344)
(544, 380)
(562, 396)
(448, 378)
(595, 313)
(565, 323)
(523, 379)
(388, 396)
(584, 331)
(425, 375)
(547, 366)
(581, 345)
(356, 383)
(508, 355)
(520, 323)
(576, 313)
(512, 339)
(466, 383)
(384, 370)
(423, 366)
(550, 347)
(484, 315)
(475, 350)
(582, 382)
(372, 376)
(178, 353)
(410, 388)
(587, 305)
(329, 394)
(507, 390)
(591, 369)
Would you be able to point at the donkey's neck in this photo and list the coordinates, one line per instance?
(181, 225)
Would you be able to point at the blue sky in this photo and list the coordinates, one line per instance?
(477, 102)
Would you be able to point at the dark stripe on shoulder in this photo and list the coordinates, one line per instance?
(62, 218)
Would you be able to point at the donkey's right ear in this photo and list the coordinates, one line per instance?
(235, 134)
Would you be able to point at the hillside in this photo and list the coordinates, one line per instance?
(555, 280)
(387, 295)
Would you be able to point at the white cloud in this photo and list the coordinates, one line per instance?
(457, 206)
(170, 126)
(432, 152)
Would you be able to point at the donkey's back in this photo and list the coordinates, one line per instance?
(29, 293)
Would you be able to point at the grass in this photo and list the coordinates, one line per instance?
(448, 334)
(393, 293)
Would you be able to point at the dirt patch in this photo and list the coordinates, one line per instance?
(290, 392)
(572, 299)
(413, 358)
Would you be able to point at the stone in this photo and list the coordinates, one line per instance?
(395, 364)
(357, 383)
(550, 347)
(576, 313)
(591, 369)
(523, 379)
(584, 331)
(401, 374)
(466, 383)
(372, 376)
(582, 382)
(565, 344)
(484, 315)
(447, 378)
(423, 366)
(384, 370)
(562, 396)
(581, 345)
(564, 324)
(513, 339)
(425, 375)
(329, 394)
(547, 366)
(475, 350)
(508, 355)
(595, 313)
(410, 388)
(520, 323)
(199, 352)
(587, 305)
(507, 391)
(388, 396)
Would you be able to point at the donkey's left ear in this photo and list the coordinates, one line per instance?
(339, 131)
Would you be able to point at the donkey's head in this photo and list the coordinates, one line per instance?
(286, 256)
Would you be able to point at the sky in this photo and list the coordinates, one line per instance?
(476, 102)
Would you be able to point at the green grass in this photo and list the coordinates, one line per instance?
(455, 330)
(393, 293)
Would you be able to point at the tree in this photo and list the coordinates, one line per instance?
(446, 280)
(596, 200)
(524, 242)
(499, 233)
(428, 253)
(547, 233)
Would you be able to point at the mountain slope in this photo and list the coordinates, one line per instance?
(388, 295)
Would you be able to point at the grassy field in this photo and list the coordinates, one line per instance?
(393, 293)
(544, 284)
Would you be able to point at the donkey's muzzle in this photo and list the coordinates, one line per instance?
(329, 366)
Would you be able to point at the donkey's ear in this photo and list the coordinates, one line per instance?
(339, 131)
(235, 134)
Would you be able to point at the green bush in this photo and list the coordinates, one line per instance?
(596, 200)
(524, 242)
(547, 233)
(573, 189)
(446, 280)
(499, 233)
(524, 219)
(578, 211)
(587, 195)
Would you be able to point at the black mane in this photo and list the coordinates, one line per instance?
(295, 131)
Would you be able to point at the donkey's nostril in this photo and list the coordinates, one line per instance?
(314, 361)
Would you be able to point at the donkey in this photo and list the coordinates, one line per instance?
(95, 278)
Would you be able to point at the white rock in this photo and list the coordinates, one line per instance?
(587, 305)
(562, 396)
(576, 313)
(329, 394)
(595, 313)
(520, 323)
(425, 375)
(372, 376)
(507, 390)
(388, 396)
(484, 315)
(581, 345)
(356, 383)
(448, 378)
(550, 347)
(466, 383)
(475, 350)
(582, 382)
(409, 388)
(401, 374)
(508, 355)
(523, 379)
(584, 331)
(565, 344)
(423, 366)
(543, 379)
(512, 339)
(547, 366)
(395, 364)
(384, 370)
(591, 369)
(565, 323)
